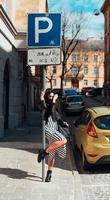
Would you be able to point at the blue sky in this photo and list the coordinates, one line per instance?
(93, 25)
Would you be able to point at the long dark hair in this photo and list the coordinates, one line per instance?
(48, 110)
(46, 96)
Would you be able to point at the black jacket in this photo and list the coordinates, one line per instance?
(53, 111)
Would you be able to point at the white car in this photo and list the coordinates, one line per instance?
(74, 103)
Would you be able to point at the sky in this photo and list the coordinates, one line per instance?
(92, 25)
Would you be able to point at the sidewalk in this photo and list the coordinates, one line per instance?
(21, 175)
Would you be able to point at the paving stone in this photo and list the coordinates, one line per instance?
(21, 175)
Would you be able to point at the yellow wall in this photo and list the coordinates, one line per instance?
(24, 7)
(17, 11)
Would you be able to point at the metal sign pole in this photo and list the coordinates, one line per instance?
(43, 146)
(50, 56)
(43, 126)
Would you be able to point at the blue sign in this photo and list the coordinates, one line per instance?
(44, 30)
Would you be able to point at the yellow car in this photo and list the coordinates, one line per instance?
(92, 136)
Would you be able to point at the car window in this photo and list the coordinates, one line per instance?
(85, 118)
(103, 122)
(69, 92)
(74, 99)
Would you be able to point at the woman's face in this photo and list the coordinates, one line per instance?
(50, 96)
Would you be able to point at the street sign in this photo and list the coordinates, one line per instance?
(44, 30)
(50, 56)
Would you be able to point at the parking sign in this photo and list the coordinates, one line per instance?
(44, 30)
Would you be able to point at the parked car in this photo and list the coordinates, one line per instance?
(87, 90)
(73, 103)
(92, 136)
(78, 90)
(68, 92)
(96, 91)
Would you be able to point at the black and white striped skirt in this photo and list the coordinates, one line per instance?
(52, 135)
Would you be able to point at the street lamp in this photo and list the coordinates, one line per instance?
(96, 12)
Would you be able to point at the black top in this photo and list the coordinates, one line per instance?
(50, 109)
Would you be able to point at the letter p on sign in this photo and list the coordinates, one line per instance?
(43, 30)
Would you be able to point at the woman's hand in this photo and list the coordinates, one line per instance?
(55, 98)
(42, 95)
(65, 124)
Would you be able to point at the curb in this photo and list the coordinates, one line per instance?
(78, 191)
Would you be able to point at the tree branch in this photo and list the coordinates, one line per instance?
(72, 41)
(48, 78)
(68, 55)
(72, 67)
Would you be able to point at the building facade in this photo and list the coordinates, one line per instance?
(15, 75)
(106, 11)
(88, 67)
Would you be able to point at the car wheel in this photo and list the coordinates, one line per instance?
(85, 163)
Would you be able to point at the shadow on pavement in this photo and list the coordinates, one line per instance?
(28, 140)
(26, 134)
(28, 143)
(18, 174)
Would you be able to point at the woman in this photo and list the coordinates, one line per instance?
(57, 142)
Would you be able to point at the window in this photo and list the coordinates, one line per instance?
(95, 83)
(54, 82)
(54, 70)
(95, 58)
(64, 82)
(76, 57)
(67, 81)
(85, 118)
(85, 58)
(85, 70)
(74, 71)
(103, 122)
(96, 70)
(85, 82)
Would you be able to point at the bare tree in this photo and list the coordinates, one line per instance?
(71, 27)
(50, 76)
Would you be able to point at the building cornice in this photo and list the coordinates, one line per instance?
(19, 37)
(7, 21)
(9, 24)
(16, 35)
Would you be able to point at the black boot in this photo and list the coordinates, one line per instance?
(49, 175)
(41, 155)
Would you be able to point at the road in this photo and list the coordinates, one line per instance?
(94, 184)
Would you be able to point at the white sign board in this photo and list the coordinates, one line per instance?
(48, 56)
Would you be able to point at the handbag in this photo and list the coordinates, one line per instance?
(63, 126)
(64, 130)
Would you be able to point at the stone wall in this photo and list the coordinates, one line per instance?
(12, 60)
